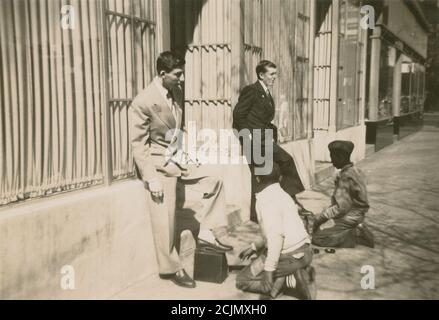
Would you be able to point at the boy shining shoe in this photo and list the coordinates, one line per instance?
(342, 224)
(285, 248)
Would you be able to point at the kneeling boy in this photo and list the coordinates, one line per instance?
(285, 253)
(341, 225)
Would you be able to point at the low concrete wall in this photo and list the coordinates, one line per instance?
(302, 152)
(237, 178)
(103, 233)
(237, 183)
(407, 124)
(380, 133)
(355, 134)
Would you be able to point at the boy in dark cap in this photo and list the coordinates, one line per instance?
(341, 225)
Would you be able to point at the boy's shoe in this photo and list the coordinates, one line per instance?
(364, 236)
(312, 273)
(278, 285)
(305, 286)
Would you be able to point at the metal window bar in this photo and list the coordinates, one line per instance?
(130, 52)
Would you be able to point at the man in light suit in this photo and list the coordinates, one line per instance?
(155, 117)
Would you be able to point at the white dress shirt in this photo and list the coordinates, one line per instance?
(281, 225)
(264, 87)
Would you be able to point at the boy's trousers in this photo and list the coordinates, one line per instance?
(250, 278)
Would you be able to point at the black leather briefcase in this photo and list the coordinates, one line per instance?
(210, 265)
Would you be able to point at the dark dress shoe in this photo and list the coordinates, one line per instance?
(182, 279)
(166, 276)
(228, 247)
(218, 247)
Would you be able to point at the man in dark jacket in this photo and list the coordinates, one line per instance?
(255, 110)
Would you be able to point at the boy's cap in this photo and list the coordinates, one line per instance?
(341, 145)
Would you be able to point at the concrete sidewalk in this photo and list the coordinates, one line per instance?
(403, 185)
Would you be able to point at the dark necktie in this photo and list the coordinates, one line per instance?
(173, 108)
(270, 97)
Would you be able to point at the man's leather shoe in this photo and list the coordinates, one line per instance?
(222, 244)
(217, 247)
(180, 278)
(166, 276)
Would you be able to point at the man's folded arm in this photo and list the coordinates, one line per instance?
(342, 201)
(139, 132)
(242, 108)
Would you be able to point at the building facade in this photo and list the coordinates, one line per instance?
(69, 70)
(339, 76)
(396, 74)
(66, 89)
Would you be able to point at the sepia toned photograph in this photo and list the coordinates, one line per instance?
(224, 150)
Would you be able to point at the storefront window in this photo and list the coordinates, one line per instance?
(414, 89)
(421, 92)
(406, 67)
(387, 63)
(412, 86)
(349, 64)
(418, 88)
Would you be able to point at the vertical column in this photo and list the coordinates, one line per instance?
(311, 41)
(237, 54)
(374, 73)
(163, 31)
(423, 91)
(396, 94)
(363, 55)
(107, 159)
(333, 96)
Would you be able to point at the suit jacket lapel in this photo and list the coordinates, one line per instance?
(179, 116)
(178, 104)
(163, 111)
(268, 99)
